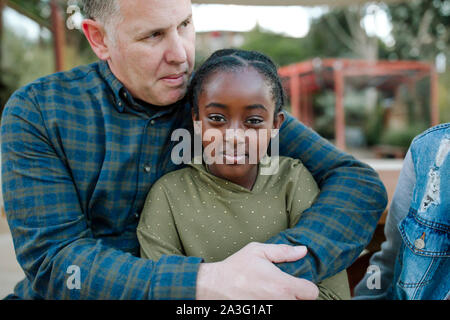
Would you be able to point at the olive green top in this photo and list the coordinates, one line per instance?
(191, 212)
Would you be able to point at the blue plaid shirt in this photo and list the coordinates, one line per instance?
(79, 156)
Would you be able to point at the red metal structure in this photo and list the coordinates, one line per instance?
(58, 29)
(303, 80)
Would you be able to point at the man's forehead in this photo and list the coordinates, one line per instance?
(160, 14)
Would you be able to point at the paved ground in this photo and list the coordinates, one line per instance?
(10, 272)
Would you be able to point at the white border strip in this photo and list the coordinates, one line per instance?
(388, 165)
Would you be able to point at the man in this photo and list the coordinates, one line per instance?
(81, 150)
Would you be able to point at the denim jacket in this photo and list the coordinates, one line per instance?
(414, 261)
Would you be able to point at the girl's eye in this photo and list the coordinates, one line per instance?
(254, 121)
(216, 118)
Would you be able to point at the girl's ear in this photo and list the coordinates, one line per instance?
(195, 116)
(278, 120)
(195, 120)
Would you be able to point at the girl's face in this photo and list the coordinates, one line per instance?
(237, 100)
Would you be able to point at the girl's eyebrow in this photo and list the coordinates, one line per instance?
(215, 104)
(256, 106)
(222, 106)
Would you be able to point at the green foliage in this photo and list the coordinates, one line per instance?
(30, 60)
(420, 29)
(324, 114)
(37, 10)
(283, 50)
(25, 60)
(374, 126)
(444, 97)
(9, 80)
(320, 42)
(322, 38)
(402, 137)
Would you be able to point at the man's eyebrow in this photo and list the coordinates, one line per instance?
(144, 33)
(187, 19)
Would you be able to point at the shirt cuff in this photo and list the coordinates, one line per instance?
(175, 278)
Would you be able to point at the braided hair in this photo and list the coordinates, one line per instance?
(237, 60)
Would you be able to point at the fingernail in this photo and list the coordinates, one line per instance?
(301, 248)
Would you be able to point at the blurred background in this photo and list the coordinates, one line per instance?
(366, 75)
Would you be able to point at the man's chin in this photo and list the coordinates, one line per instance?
(171, 97)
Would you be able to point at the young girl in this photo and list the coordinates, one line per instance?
(212, 210)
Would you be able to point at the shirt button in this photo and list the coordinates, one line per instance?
(136, 215)
(147, 169)
(419, 243)
(152, 123)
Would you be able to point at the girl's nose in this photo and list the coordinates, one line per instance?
(235, 136)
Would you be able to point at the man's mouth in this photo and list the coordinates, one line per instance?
(174, 79)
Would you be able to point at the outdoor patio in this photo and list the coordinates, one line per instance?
(10, 271)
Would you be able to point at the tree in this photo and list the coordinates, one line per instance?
(420, 29)
(345, 25)
(22, 50)
(283, 50)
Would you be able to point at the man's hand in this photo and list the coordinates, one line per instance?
(250, 273)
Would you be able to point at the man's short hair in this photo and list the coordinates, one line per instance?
(101, 10)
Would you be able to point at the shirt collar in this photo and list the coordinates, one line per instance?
(116, 86)
(123, 97)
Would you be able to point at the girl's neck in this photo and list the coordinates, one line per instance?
(247, 181)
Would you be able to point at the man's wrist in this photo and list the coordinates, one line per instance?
(175, 278)
(206, 280)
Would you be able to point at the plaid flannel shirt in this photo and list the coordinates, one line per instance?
(79, 156)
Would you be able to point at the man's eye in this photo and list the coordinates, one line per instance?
(153, 35)
(186, 23)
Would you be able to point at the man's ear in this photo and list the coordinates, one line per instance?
(96, 35)
(278, 120)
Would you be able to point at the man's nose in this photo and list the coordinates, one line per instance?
(176, 52)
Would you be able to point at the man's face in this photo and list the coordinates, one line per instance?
(154, 49)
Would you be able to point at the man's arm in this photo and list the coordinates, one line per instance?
(341, 222)
(51, 232)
